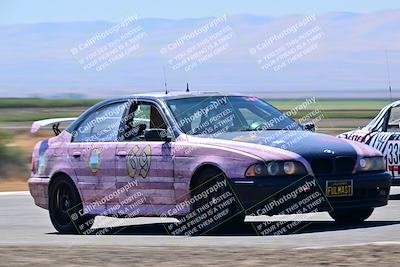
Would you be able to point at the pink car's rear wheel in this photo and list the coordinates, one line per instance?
(65, 207)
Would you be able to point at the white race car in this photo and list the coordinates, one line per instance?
(383, 133)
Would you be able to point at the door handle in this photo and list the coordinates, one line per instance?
(122, 153)
(76, 154)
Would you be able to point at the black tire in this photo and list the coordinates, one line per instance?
(65, 208)
(351, 216)
(233, 217)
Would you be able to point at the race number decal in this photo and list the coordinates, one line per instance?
(139, 162)
(392, 156)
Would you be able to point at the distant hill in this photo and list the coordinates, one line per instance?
(349, 59)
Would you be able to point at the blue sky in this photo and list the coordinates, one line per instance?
(29, 11)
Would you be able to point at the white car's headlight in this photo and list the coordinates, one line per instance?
(276, 168)
(371, 164)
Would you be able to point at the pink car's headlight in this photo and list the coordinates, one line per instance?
(276, 168)
(371, 164)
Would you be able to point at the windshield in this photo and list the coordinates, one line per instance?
(208, 115)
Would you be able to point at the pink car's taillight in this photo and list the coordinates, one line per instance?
(33, 165)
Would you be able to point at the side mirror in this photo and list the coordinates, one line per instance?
(309, 127)
(157, 135)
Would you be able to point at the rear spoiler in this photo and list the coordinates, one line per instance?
(54, 122)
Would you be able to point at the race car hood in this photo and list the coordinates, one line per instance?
(306, 144)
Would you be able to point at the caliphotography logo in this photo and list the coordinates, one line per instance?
(188, 133)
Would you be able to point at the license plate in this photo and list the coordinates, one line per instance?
(340, 188)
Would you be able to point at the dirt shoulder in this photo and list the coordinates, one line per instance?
(13, 185)
(367, 255)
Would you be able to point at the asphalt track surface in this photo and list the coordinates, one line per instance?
(24, 224)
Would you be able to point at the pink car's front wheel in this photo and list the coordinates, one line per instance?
(227, 217)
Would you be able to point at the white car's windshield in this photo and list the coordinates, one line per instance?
(207, 115)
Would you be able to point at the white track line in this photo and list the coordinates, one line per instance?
(15, 193)
(379, 243)
(395, 190)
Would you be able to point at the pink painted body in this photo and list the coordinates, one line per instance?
(168, 179)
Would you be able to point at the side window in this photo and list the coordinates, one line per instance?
(394, 120)
(102, 125)
(142, 116)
